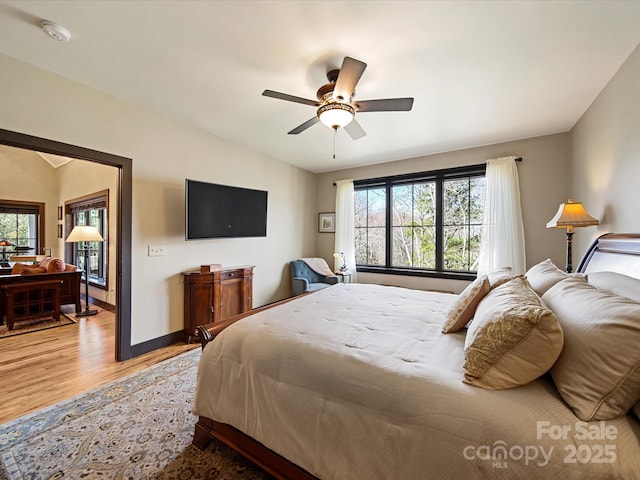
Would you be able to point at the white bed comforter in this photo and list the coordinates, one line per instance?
(358, 382)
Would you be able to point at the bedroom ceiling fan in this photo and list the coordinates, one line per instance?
(335, 105)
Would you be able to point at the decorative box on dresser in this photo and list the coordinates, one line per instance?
(213, 294)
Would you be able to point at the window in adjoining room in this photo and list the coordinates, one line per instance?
(22, 224)
(90, 210)
(427, 223)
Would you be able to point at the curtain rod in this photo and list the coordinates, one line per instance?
(518, 159)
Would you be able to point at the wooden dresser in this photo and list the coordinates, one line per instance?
(213, 296)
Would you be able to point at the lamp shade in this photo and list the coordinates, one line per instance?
(571, 214)
(84, 233)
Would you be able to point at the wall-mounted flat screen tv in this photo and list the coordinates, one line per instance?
(223, 211)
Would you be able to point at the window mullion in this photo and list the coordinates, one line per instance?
(388, 229)
(439, 224)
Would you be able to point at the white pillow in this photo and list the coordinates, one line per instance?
(545, 275)
(499, 276)
(598, 371)
(617, 283)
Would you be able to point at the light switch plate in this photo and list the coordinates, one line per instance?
(157, 250)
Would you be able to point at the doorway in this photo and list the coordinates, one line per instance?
(123, 227)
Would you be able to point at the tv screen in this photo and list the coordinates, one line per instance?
(222, 211)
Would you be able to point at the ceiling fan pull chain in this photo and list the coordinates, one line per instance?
(335, 134)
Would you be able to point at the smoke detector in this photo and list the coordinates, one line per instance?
(55, 31)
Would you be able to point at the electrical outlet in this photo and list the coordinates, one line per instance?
(157, 251)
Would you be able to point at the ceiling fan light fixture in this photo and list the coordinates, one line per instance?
(336, 115)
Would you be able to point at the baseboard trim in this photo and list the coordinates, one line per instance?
(99, 303)
(156, 343)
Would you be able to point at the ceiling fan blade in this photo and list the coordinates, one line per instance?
(354, 130)
(385, 105)
(290, 98)
(304, 126)
(349, 75)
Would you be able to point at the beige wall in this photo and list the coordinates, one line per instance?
(544, 182)
(164, 153)
(27, 177)
(606, 156)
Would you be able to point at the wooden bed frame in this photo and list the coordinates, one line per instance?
(611, 252)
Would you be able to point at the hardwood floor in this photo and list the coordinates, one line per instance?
(42, 368)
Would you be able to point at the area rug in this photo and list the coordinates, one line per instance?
(138, 427)
(27, 326)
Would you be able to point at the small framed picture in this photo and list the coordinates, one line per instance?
(59, 231)
(60, 213)
(326, 222)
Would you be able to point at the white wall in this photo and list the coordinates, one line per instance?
(606, 156)
(164, 153)
(544, 183)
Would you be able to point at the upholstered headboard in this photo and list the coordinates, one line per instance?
(613, 252)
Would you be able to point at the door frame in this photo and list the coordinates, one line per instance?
(123, 225)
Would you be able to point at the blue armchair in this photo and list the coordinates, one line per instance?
(304, 279)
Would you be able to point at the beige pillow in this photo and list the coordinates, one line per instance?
(462, 311)
(617, 283)
(499, 276)
(598, 372)
(544, 275)
(512, 340)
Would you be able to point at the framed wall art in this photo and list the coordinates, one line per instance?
(326, 222)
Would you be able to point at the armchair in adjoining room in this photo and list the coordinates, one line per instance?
(310, 274)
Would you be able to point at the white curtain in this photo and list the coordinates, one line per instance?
(502, 242)
(344, 225)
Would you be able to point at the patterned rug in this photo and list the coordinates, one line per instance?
(27, 326)
(138, 427)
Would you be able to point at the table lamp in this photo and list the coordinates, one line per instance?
(4, 244)
(570, 215)
(340, 255)
(86, 234)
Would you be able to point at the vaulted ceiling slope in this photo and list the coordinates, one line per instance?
(481, 72)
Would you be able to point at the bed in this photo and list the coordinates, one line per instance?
(359, 381)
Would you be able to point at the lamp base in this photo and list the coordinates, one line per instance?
(87, 313)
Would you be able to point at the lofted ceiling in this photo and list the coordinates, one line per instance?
(481, 72)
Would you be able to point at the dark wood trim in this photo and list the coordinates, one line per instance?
(156, 343)
(123, 349)
(99, 303)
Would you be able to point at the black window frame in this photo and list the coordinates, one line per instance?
(439, 177)
(98, 201)
(30, 208)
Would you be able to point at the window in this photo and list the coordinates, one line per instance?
(90, 210)
(426, 223)
(21, 223)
